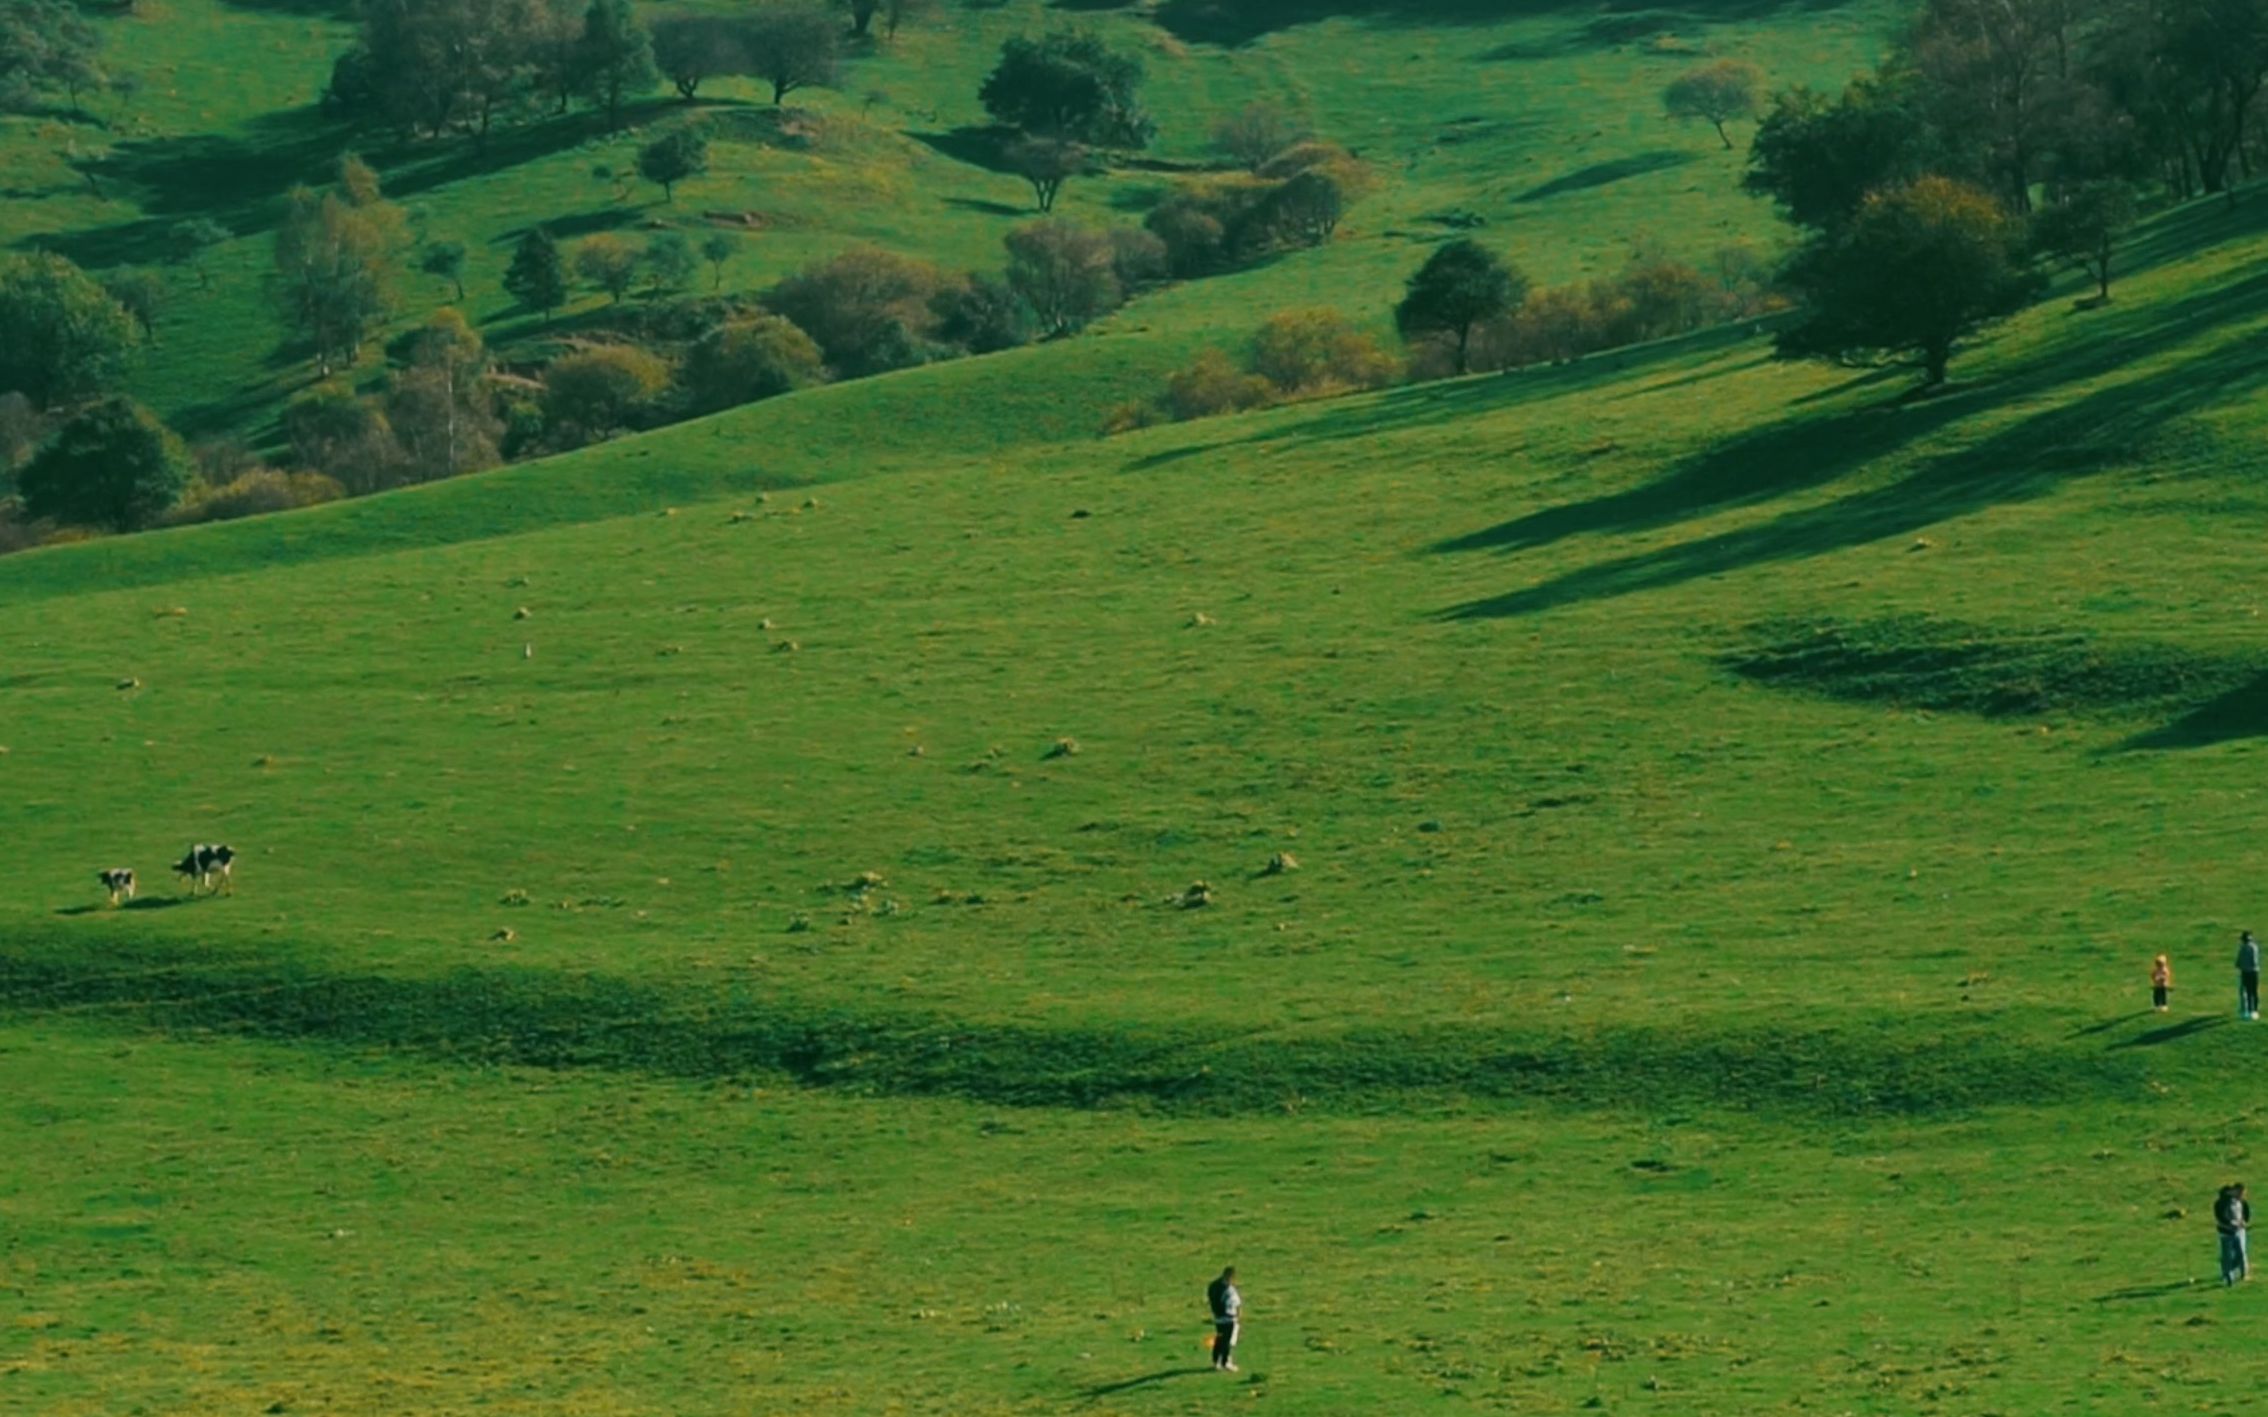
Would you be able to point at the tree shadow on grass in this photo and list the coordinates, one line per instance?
(1603, 174)
(2028, 458)
(985, 208)
(2240, 713)
(976, 145)
(1231, 23)
(1097, 1393)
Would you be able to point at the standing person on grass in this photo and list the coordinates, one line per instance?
(2161, 982)
(2248, 976)
(2232, 1216)
(1228, 1318)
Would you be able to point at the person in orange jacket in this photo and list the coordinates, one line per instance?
(2161, 982)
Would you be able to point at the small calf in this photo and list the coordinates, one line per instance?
(119, 881)
(203, 863)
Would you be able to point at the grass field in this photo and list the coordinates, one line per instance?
(1734, 809)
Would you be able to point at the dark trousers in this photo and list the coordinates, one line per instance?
(2158, 995)
(1224, 1341)
(2248, 990)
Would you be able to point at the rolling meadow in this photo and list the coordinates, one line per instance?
(1618, 886)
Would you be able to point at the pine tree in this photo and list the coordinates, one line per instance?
(538, 274)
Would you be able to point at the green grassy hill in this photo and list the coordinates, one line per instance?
(713, 932)
(1545, 124)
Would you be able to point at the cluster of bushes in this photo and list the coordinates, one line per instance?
(1652, 297)
(1296, 354)
(1293, 197)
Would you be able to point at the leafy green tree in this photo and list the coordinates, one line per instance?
(113, 464)
(608, 262)
(594, 392)
(46, 46)
(537, 277)
(870, 310)
(717, 248)
(2084, 228)
(670, 262)
(445, 259)
(1046, 163)
(1461, 286)
(749, 359)
(691, 48)
(1069, 86)
(1716, 94)
(441, 407)
(792, 44)
(1918, 268)
(1819, 157)
(614, 58)
(188, 243)
(334, 254)
(63, 338)
(344, 437)
(673, 157)
(1066, 272)
(984, 315)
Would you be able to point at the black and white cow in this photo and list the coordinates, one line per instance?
(119, 881)
(203, 863)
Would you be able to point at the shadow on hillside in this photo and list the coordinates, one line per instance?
(2030, 457)
(1237, 22)
(977, 146)
(1603, 174)
(2240, 713)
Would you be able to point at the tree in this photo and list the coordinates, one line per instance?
(670, 159)
(690, 48)
(614, 59)
(594, 392)
(791, 44)
(187, 243)
(439, 66)
(1065, 271)
(1068, 85)
(1257, 132)
(113, 465)
(869, 310)
(63, 338)
(2084, 227)
(441, 408)
(445, 259)
(344, 437)
(141, 294)
(1716, 94)
(717, 248)
(334, 256)
(1046, 163)
(608, 262)
(1917, 269)
(1461, 285)
(537, 277)
(45, 46)
(754, 358)
(670, 262)
(1819, 157)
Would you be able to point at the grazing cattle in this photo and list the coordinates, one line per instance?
(203, 863)
(119, 882)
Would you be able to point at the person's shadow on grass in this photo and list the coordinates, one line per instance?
(2110, 1023)
(2146, 1291)
(1096, 1394)
(2172, 1032)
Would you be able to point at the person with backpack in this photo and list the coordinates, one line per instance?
(2248, 976)
(1227, 1304)
(2232, 1216)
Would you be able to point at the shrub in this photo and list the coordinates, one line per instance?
(1318, 350)
(257, 492)
(1212, 384)
(1137, 257)
(984, 315)
(1065, 271)
(605, 389)
(755, 358)
(332, 431)
(869, 310)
